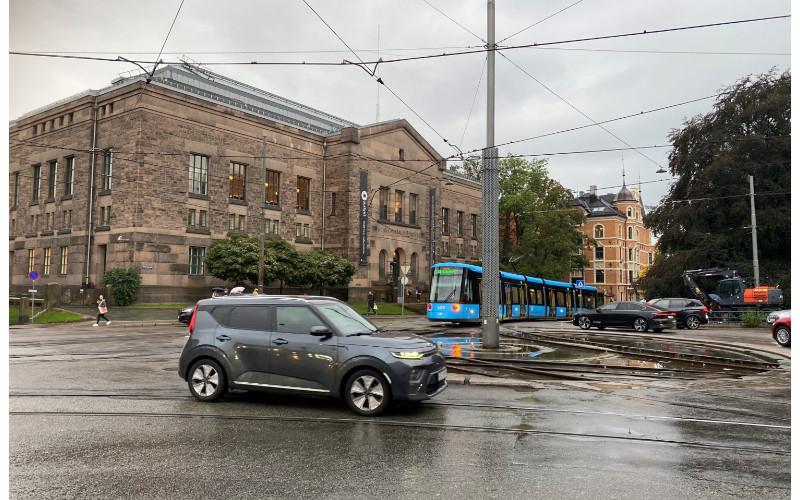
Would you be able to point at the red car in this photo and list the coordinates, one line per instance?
(781, 331)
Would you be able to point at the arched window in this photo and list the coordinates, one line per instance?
(630, 212)
(598, 231)
(413, 269)
(630, 233)
(382, 265)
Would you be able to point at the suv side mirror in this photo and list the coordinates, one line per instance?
(321, 331)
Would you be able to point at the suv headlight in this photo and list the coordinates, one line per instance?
(407, 355)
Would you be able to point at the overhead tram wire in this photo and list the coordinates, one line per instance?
(455, 22)
(378, 79)
(581, 112)
(428, 56)
(474, 100)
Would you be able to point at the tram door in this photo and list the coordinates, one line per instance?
(522, 293)
(551, 303)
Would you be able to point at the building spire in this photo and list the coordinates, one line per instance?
(623, 169)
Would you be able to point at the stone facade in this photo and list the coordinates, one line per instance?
(144, 141)
(624, 246)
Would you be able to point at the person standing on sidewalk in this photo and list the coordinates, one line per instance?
(370, 303)
(102, 309)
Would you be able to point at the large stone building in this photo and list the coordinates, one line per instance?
(624, 246)
(151, 174)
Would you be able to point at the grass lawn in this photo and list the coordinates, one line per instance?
(55, 316)
(383, 308)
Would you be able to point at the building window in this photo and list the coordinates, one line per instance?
(31, 260)
(630, 276)
(12, 226)
(398, 206)
(402, 155)
(64, 260)
(333, 203)
(70, 118)
(69, 175)
(237, 180)
(66, 222)
(198, 174)
(598, 231)
(630, 212)
(197, 256)
(383, 203)
(271, 226)
(303, 193)
(105, 215)
(52, 174)
(599, 253)
(15, 189)
(446, 221)
(37, 181)
(474, 249)
(192, 218)
(459, 224)
(306, 231)
(460, 250)
(474, 224)
(650, 258)
(630, 255)
(412, 209)
(413, 270)
(298, 230)
(236, 222)
(108, 168)
(203, 221)
(599, 276)
(272, 188)
(382, 265)
(48, 221)
(630, 233)
(446, 248)
(47, 261)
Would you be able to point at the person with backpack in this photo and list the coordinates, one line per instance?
(102, 309)
(370, 303)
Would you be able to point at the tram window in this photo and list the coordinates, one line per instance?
(560, 299)
(569, 299)
(507, 290)
(469, 290)
(540, 296)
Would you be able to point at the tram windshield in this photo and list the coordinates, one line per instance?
(446, 284)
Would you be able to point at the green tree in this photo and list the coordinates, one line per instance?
(234, 259)
(124, 283)
(746, 133)
(324, 269)
(283, 262)
(538, 221)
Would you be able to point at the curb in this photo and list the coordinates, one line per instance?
(128, 323)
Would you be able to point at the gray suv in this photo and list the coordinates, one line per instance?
(306, 345)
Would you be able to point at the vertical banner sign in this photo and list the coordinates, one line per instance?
(362, 220)
(432, 242)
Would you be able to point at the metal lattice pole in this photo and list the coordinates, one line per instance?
(490, 284)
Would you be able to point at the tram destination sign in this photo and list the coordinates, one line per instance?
(445, 271)
(362, 218)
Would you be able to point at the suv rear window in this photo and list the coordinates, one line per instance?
(242, 317)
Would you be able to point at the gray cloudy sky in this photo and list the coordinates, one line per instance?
(601, 84)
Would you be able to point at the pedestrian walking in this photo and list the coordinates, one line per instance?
(102, 309)
(370, 303)
(419, 294)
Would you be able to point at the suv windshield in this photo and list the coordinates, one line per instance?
(346, 320)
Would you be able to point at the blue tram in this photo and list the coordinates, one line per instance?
(455, 295)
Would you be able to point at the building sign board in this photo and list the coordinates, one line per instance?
(362, 218)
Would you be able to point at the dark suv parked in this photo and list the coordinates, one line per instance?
(306, 345)
(689, 313)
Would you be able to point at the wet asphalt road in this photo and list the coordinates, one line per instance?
(101, 412)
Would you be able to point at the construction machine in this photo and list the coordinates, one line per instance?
(731, 291)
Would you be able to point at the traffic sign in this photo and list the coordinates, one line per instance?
(32, 290)
(404, 269)
(404, 280)
(579, 284)
(33, 275)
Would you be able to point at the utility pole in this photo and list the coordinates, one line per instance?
(261, 214)
(489, 211)
(753, 231)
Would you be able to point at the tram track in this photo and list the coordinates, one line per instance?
(461, 405)
(399, 424)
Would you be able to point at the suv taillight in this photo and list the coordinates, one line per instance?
(663, 314)
(704, 310)
(191, 321)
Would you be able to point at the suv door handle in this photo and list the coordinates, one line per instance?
(223, 338)
(280, 341)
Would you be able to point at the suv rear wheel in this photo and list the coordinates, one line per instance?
(367, 393)
(782, 336)
(207, 381)
(692, 322)
(584, 322)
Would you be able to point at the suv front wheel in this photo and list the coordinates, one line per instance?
(207, 380)
(367, 393)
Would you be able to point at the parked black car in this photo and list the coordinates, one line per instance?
(689, 313)
(637, 315)
(306, 345)
(184, 315)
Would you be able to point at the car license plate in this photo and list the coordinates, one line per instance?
(442, 375)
